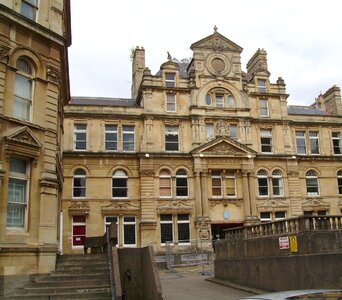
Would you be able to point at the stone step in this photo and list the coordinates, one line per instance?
(81, 257)
(63, 289)
(94, 293)
(71, 283)
(79, 270)
(70, 276)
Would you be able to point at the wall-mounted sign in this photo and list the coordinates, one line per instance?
(293, 243)
(284, 242)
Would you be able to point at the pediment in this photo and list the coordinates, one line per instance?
(23, 136)
(224, 146)
(217, 42)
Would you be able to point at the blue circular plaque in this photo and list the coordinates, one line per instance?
(226, 215)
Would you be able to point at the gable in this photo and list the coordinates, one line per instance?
(224, 146)
(216, 42)
(22, 142)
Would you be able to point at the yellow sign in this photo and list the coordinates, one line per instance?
(293, 244)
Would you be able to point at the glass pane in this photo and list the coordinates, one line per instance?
(129, 234)
(17, 190)
(18, 166)
(184, 233)
(16, 215)
(166, 233)
(166, 217)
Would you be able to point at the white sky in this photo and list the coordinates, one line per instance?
(303, 40)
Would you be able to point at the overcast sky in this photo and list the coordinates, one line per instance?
(303, 40)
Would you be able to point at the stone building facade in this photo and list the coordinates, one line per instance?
(201, 146)
(34, 86)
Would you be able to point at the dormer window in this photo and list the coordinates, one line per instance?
(170, 80)
(262, 86)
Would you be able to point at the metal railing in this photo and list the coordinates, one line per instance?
(285, 226)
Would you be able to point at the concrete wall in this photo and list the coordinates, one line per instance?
(260, 263)
(139, 275)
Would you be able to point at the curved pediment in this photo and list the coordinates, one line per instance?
(224, 146)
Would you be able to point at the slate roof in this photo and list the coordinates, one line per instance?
(102, 101)
(306, 110)
(183, 71)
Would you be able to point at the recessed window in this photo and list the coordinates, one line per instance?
(208, 100)
(181, 183)
(170, 79)
(262, 86)
(301, 142)
(263, 107)
(166, 228)
(111, 137)
(209, 131)
(216, 183)
(23, 90)
(175, 225)
(171, 138)
(129, 231)
(79, 184)
(29, 9)
(220, 97)
(277, 183)
(230, 184)
(128, 138)
(312, 185)
(113, 220)
(339, 182)
(171, 102)
(165, 184)
(263, 184)
(337, 142)
(266, 140)
(80, 137)
(119, 184)
(18, 188)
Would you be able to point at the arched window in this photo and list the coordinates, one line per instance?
(277, 183)
(312, 185)
(220, 98)
(22, 103)
(339, 182)
(181, 183)
(79, 184)
(263, 183)
(165, 184)
(119, 184)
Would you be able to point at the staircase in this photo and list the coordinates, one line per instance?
(83, 276)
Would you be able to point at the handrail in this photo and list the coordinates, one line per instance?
(286, 226)
(110, 260)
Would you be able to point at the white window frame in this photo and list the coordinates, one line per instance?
(172, 228)
(312, 175)
(265, 219)
(111, 129)
(262, 86)
(80, 176)
(126, 223)
(120, 174)
(25, 71)
(209, 131)
(171, 131)
(277, 175)
(23, 177)
(170, 79)
(216, 175)
(107, 223)
(266, 134)
(314, 140)
(182, 176)
(228, 176)
(128, 131)
(164, 175)
(179, 222)
(72, 231)
(262, 175)
(264, 109)
(336, 138)
(32, 6)
(339, 182)
(219, 100)
(171, 102)
(301, 138)
(80, 128)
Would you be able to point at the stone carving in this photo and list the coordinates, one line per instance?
(225, 202)
(146, 172)
(53, 73)
(79, 205)
(315, 202)
(4, 51)
(174, 206)
(222, 128)
(274, 203)
(119, 204)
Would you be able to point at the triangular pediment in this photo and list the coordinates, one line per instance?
(224, 146)
(217, 42)
(22, 136)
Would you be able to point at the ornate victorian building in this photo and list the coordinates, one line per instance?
(34, 86)
(201, 146)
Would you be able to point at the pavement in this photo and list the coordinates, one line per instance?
(197, 283)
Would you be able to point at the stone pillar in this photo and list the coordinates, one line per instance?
(246, 199)
(204, 191)
(198, 194)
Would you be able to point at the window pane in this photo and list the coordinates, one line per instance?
(129, 234)
(166, 233)
(183, 232)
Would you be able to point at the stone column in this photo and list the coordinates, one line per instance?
(198, 194)
(246, 199)
(204, 190)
